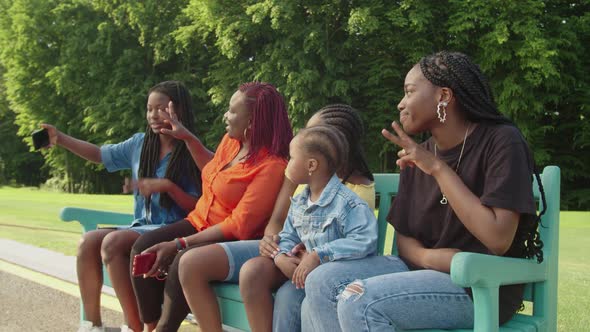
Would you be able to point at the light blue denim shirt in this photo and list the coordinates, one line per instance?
(126, 155)
(339, 226)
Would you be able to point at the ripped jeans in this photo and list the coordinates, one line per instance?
(388, 297)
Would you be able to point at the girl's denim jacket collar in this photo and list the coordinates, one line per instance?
(339, 225)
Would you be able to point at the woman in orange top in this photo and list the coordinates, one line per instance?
(240, 184)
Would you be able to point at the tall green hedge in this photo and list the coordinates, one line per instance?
(86, 66)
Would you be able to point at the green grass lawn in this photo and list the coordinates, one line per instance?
(31, 216)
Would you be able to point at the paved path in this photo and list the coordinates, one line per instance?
(42, 260)
(39, 292)
(28, 306)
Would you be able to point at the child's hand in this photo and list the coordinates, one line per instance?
(298, 251)
(287, 264)
(308, 264)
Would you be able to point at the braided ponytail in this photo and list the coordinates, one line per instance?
(349, 123)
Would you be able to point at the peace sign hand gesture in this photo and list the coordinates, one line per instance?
(178, 130)
(412, 154)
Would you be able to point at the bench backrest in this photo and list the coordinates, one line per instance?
(386, 185)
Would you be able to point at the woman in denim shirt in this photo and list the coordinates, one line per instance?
(166, 184)
(328, 218)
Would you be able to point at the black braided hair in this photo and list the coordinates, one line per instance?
(474, 96)
(327, 142)
(181, 164)
(347, 120)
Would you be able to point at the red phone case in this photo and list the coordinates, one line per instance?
(142, 263)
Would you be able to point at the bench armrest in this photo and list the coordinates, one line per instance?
(479, 270)
(89, 219)
(484, 274)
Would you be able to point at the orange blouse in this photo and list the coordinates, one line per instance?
(239, 198)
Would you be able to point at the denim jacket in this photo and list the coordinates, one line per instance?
(339, 226)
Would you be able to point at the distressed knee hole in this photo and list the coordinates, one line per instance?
(355, 289)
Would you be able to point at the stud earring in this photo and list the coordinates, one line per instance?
(441, 111)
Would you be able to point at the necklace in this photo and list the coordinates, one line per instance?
(444, 200)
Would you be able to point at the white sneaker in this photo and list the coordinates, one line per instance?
(86, 326)
(125, 328)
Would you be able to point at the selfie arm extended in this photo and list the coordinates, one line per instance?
(79, 147)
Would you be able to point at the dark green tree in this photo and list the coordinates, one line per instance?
(87, 65)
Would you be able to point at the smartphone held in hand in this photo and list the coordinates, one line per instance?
(142, 263)
(40, 138)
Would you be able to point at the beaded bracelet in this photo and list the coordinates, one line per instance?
(183, 242)
(178, 244)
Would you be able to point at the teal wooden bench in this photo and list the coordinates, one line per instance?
(483, 273)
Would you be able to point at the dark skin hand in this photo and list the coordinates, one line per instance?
(269, 245)
(165, 253)
(287, 264)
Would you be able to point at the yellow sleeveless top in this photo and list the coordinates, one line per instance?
(365, 191)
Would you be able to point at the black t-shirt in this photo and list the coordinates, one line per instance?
(497, 167)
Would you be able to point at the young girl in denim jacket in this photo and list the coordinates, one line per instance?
(331, 221)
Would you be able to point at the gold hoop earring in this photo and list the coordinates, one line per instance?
(441, 111)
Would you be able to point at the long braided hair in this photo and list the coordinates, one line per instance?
(474, 96)
(347, 120)
(181, 165)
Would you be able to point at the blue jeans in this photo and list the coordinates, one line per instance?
(238, 252)
(286, 314)
(392, 298)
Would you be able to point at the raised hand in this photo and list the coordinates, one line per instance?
(412, 154)
(178, 130)
(52, 132)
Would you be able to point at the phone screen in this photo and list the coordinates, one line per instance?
(40, 138)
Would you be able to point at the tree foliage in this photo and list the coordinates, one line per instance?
(86, 66)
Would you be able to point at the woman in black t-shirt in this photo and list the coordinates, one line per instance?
(467, 188)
